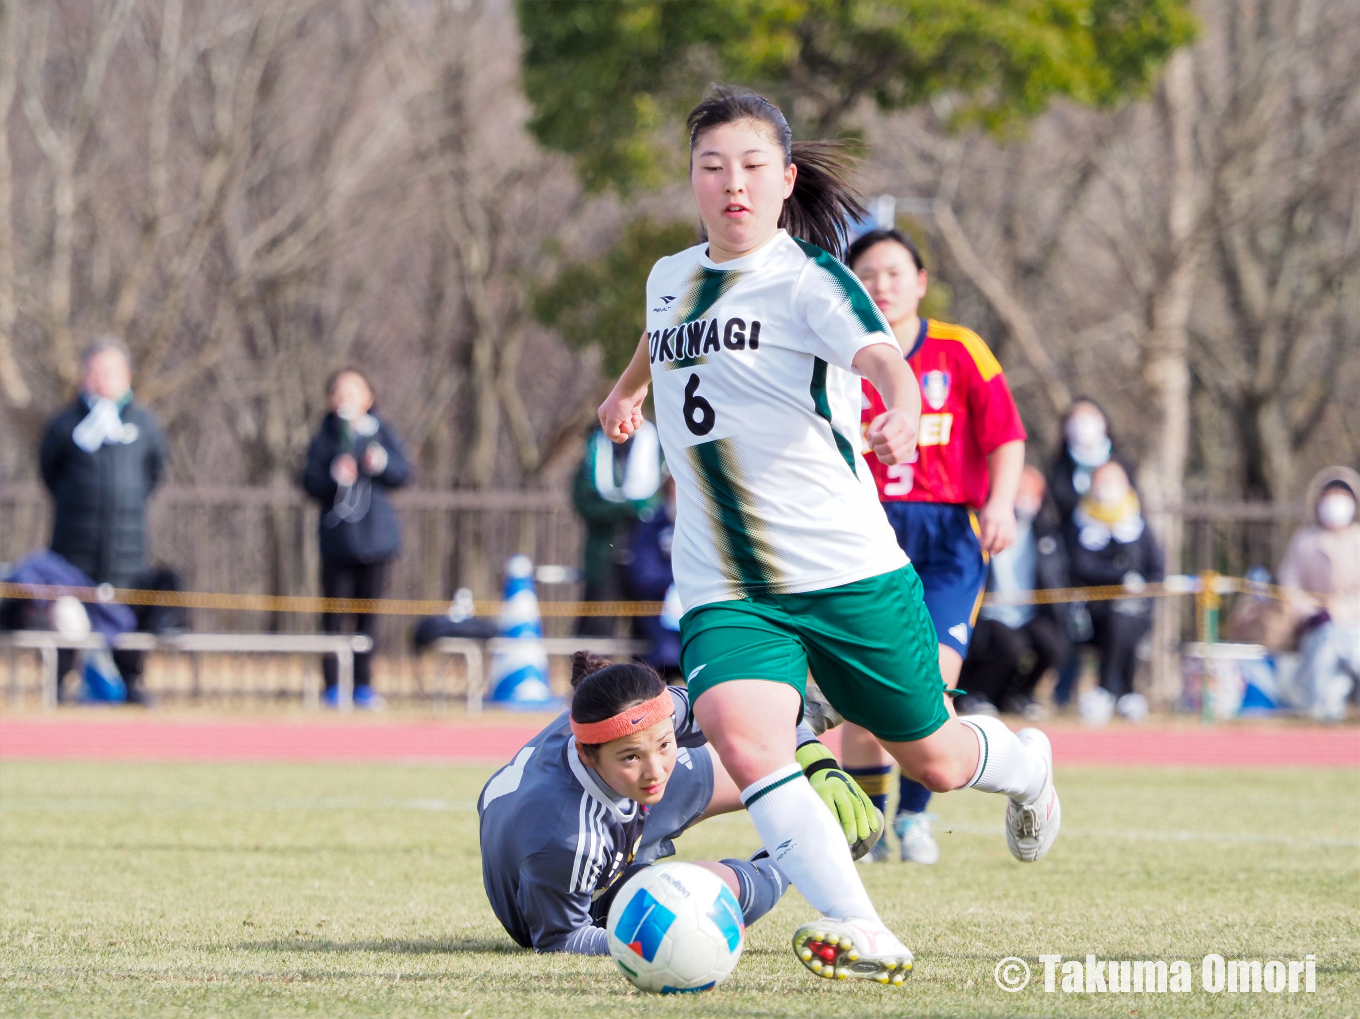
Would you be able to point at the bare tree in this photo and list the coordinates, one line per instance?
(1281, 146)
(1201, 240)
(12, 386)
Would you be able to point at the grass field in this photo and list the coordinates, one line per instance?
(355, 890)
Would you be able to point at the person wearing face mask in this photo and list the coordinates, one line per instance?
(101, 458)
(1014, 645)
(353, 461)
(1110, 543)
(1087, 444)
(1322, 566)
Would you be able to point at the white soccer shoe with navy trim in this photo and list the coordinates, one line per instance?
(841, 949)
(1032, 827)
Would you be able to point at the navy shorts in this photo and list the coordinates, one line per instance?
(942, 540)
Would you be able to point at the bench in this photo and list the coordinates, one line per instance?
(48, 642)
(475, 652)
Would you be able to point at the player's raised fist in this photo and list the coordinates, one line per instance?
(893, 436)
(621, 414)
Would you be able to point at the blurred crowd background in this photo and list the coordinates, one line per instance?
(1152, 206)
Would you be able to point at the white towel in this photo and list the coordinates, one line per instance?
(102, 425)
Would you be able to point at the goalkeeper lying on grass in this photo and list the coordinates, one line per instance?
(603, 791)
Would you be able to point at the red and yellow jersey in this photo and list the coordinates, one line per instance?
(966, 412)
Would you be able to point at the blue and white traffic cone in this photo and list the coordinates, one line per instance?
(519, 670)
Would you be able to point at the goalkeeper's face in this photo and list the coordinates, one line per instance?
(637, 766)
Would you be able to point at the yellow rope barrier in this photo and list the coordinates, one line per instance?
(305, 603)
(1184, 585)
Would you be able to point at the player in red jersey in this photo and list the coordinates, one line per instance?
(952, 506)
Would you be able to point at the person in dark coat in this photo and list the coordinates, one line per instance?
(101, 458)
(353, 461)
(616, 486)
(1014, 645)
(651, 578)
(1110, 543)
(1087, 444)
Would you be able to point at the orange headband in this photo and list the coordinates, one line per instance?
(625, 723)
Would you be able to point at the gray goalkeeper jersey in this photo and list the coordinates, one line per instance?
(555, 841)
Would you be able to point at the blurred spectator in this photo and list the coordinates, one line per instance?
(1087, 444)
(353, 461)
(1110, 543)
(616, 486)
(1323, 564)
(650, 578)
(1014, 645)
(101, 458)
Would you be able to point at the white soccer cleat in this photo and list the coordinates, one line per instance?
(917, 841)
(841, 949)
(1032, 827)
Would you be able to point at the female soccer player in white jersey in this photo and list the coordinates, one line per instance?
(756, 341)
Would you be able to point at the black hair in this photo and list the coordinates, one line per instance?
(822, 206)
(601, 688)
(1337, 483)
(867, 241)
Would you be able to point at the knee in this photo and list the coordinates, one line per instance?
(747, 763)
(942, 777)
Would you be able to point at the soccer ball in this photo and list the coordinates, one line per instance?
(675, 927)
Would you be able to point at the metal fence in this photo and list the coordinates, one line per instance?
(260, 540)
(264, 541)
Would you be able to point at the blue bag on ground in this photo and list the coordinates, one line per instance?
(103, 682)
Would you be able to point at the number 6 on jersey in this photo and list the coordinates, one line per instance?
(699, 414)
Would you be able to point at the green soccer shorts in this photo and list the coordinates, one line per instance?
(870, 645)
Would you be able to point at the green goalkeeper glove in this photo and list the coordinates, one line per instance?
(849, 804)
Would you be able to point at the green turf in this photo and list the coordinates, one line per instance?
(349, 890)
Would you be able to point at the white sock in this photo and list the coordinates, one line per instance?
(808, 845)
(1005, 765)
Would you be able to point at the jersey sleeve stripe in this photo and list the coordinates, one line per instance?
(871, 320)
(580, 840)
(987, 364)
(586, 843)
(590, 838)
(823, 406)
(601, 855)
(599, 851)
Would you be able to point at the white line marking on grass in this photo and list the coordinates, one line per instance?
(1164, 836)
(118, 804)
(142, 804)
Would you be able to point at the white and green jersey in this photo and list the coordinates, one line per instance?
(759, 415)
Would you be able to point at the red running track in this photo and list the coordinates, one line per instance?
(170, 740)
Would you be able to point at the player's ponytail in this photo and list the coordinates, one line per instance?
(823, 206)
(586, 663)
(602, 689)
